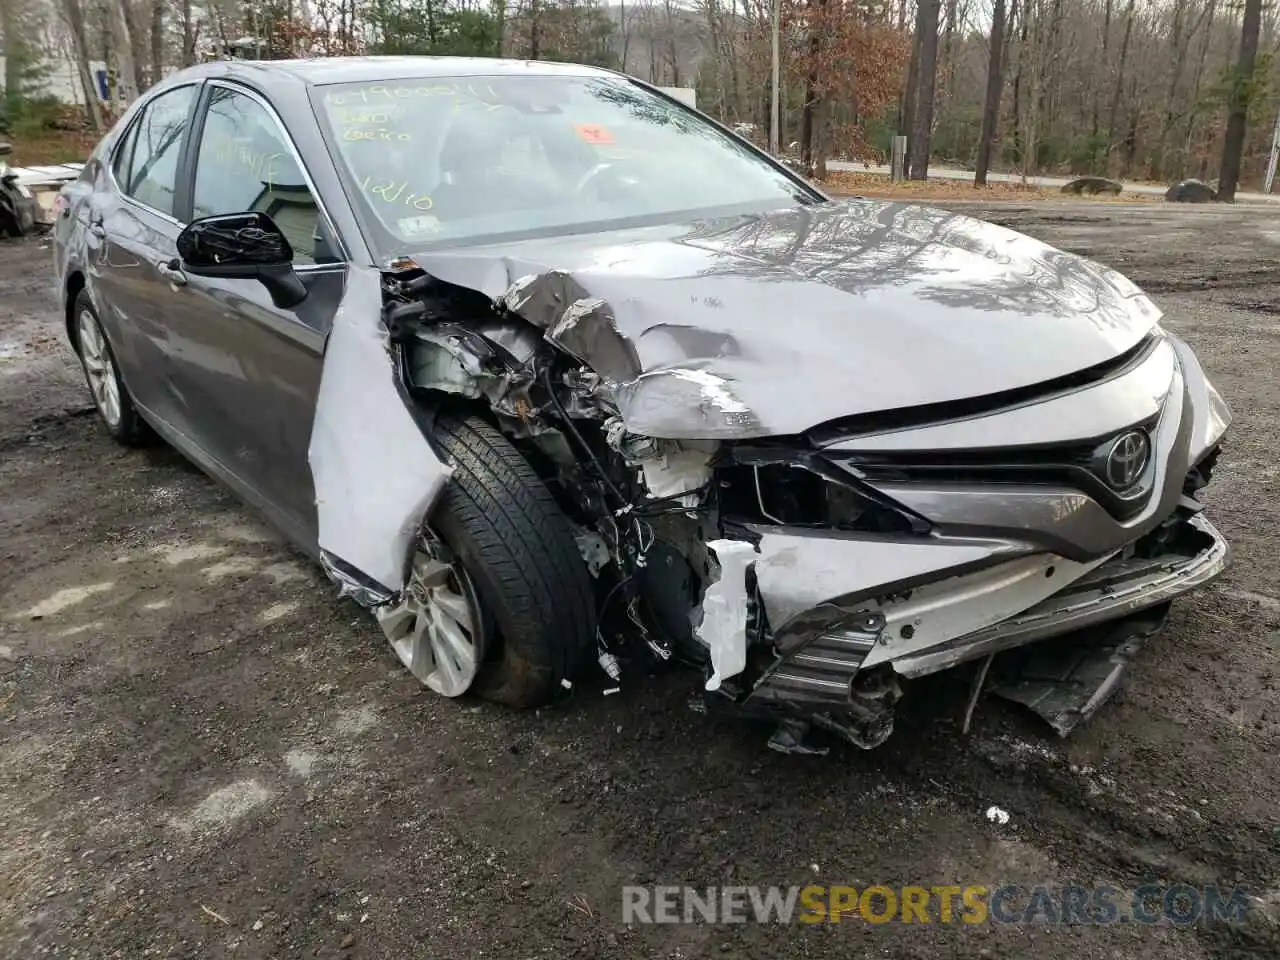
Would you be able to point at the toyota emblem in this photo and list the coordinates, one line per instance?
(1126, 459)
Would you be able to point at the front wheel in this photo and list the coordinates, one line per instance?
(502, 604)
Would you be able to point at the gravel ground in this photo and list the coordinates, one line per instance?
(204, 753)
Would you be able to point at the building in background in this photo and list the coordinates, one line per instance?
(59, 79)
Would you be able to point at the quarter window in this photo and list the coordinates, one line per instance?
(245, 164)
(147, 165)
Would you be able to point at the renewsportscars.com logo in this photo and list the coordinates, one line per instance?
(1178, 904)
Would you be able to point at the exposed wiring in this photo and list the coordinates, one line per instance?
(641, 526)
(604, 609)
(573, 432)
(626, 506)
(760, 498)
(673, 504)
(661, 648)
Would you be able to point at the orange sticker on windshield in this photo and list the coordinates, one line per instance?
(594, 133)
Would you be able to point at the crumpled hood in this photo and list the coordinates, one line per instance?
(771, 324)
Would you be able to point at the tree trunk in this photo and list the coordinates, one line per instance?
(1115, 95)
(1189, 137)
(991, 106)
(907, 115)
(1019, 84)
(671, 43)
(626, 32)
(821, 146)
(533, 29)
(811, 95)
(138, 20)
(1155, 163)
(80, 50)
(188, 35)
(1093, 126)
(15, 57)
(922, 127)
(734, 79)
(1242, 89)
(122, 43)
(157, 40)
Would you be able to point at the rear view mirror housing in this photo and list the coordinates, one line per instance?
(247, 246)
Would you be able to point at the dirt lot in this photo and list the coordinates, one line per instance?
(204, 753)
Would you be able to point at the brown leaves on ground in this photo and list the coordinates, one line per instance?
(842, 183)
(51, 146)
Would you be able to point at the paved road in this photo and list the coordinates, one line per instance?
(952, 173)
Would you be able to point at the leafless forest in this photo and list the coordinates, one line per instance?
(1145, 89)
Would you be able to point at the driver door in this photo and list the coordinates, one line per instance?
(249, 370)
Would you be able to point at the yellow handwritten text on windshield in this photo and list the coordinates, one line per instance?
(396, 192)
(351, 134)
(380, 93)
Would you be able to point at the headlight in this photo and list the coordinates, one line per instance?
(683, 404)
(1219, 416)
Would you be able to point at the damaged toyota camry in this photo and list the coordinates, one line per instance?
(552, 373)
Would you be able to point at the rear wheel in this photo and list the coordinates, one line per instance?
(10, 220)
(512, 558)
(115, 406)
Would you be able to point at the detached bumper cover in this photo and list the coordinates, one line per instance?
(939, 624)
(1112, 590)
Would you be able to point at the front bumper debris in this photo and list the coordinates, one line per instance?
(1066, 680)
(1110, 591)
(842, 677)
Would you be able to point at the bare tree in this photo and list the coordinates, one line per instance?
(73, 13)
(122, 46)
(1116, 90)
(157, 39)
(189, 34)
(991, 103)
(1242, 91)
(922, 115)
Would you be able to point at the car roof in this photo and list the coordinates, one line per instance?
(326, 70)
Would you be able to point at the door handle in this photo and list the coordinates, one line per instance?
(97, 229)
(172, 271)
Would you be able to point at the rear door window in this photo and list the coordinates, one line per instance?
(146, 165)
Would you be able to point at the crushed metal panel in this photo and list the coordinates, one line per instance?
(723, 626)
(797, 573)
(587, 330)
(684, 403)
(375, 475)
(541, 299)
(1068, 679)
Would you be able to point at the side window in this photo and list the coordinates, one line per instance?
(124, 154)
(147, 163)
(245, 164)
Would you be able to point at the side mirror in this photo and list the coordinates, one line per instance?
(242, 245)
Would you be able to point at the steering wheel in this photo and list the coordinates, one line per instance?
(587, 178)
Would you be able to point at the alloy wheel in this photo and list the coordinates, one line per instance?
(436, 628)
(99, 370)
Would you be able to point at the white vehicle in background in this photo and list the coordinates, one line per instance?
(17, 206)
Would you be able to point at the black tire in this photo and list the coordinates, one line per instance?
(518, 546)
(128, 428)
(10, 224)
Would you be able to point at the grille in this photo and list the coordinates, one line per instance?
(1080, 466)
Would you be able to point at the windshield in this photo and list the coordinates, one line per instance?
(449, 160)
